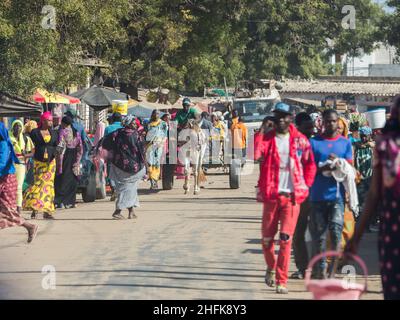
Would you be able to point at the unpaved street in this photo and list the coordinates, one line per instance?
(180, 247)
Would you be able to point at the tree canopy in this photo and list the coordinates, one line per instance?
(181, 44)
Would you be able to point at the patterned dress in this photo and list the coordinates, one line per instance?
(9, 217)
(156, 136)
(40, 196)
(388, 161)
(363, 155)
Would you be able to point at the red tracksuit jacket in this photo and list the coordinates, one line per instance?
(302, 164)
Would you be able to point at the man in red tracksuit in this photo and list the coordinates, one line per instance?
(287, 171)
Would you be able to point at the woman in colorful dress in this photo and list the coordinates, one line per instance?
(385, 190)
(363, 156)
(127, 165)
(40, 196)
(23, 148)
(156, 136)
(69, 154)
(9, 216)
(29, 126)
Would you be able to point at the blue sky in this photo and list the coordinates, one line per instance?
(382, 2)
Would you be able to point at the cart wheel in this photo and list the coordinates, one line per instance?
(168, 171)
(89, 193)
(234, 174)
(101, 192)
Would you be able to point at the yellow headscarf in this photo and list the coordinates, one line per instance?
(18, 142)
(345, 125)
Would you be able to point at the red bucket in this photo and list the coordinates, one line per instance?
(335, 289)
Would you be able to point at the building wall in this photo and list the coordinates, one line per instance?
(384, 70)
(362, 101)
(384, 55)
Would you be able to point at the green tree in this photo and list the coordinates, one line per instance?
(289, 39)
(32, 56)
(391, 25)
(178, 44)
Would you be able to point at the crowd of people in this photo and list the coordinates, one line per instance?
(45, 158)
(323, 175)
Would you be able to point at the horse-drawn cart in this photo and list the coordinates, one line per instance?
(227, 161)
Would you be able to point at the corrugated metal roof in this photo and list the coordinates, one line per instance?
(330, 87)
(305, 101)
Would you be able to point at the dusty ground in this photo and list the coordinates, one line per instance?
(180, 247)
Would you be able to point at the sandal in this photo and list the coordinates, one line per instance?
(48, 216)
(281, 289)
(132, 216)
(32, 232)
(298, 275)
(118, 216)
(270, 278)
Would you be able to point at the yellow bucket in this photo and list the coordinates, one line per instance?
(120, 106)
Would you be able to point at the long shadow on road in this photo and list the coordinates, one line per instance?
(222, 200)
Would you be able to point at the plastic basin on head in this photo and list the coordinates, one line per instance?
(376, 118)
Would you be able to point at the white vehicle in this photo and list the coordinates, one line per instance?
(254, 101)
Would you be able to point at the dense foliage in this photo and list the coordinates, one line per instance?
(181, 44)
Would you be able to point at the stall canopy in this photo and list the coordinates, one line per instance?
(11, 106)
(43, 96)
(99, 97)
(140, 111)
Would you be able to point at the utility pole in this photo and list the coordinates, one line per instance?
(226, 90)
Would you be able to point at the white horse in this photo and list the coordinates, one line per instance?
(192, 152)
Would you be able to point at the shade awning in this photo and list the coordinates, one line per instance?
(11, 106)
(99, 97)
(140, 111)
(43, 96)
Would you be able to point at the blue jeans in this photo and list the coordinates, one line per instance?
(326, 215)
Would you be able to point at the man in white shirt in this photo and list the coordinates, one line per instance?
(287, 171)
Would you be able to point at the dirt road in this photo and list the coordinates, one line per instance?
(180, 247)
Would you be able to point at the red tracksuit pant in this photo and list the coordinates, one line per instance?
(286, 213)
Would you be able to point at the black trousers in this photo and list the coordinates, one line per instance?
(300, 252)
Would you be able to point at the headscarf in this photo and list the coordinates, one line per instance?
(345, 125)
(100, 128)
(128, 120)
(5, 137)
(29, 126)
(71, 113)
(67, 120)
(366, 131)
(20, 141)
(45, 116)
